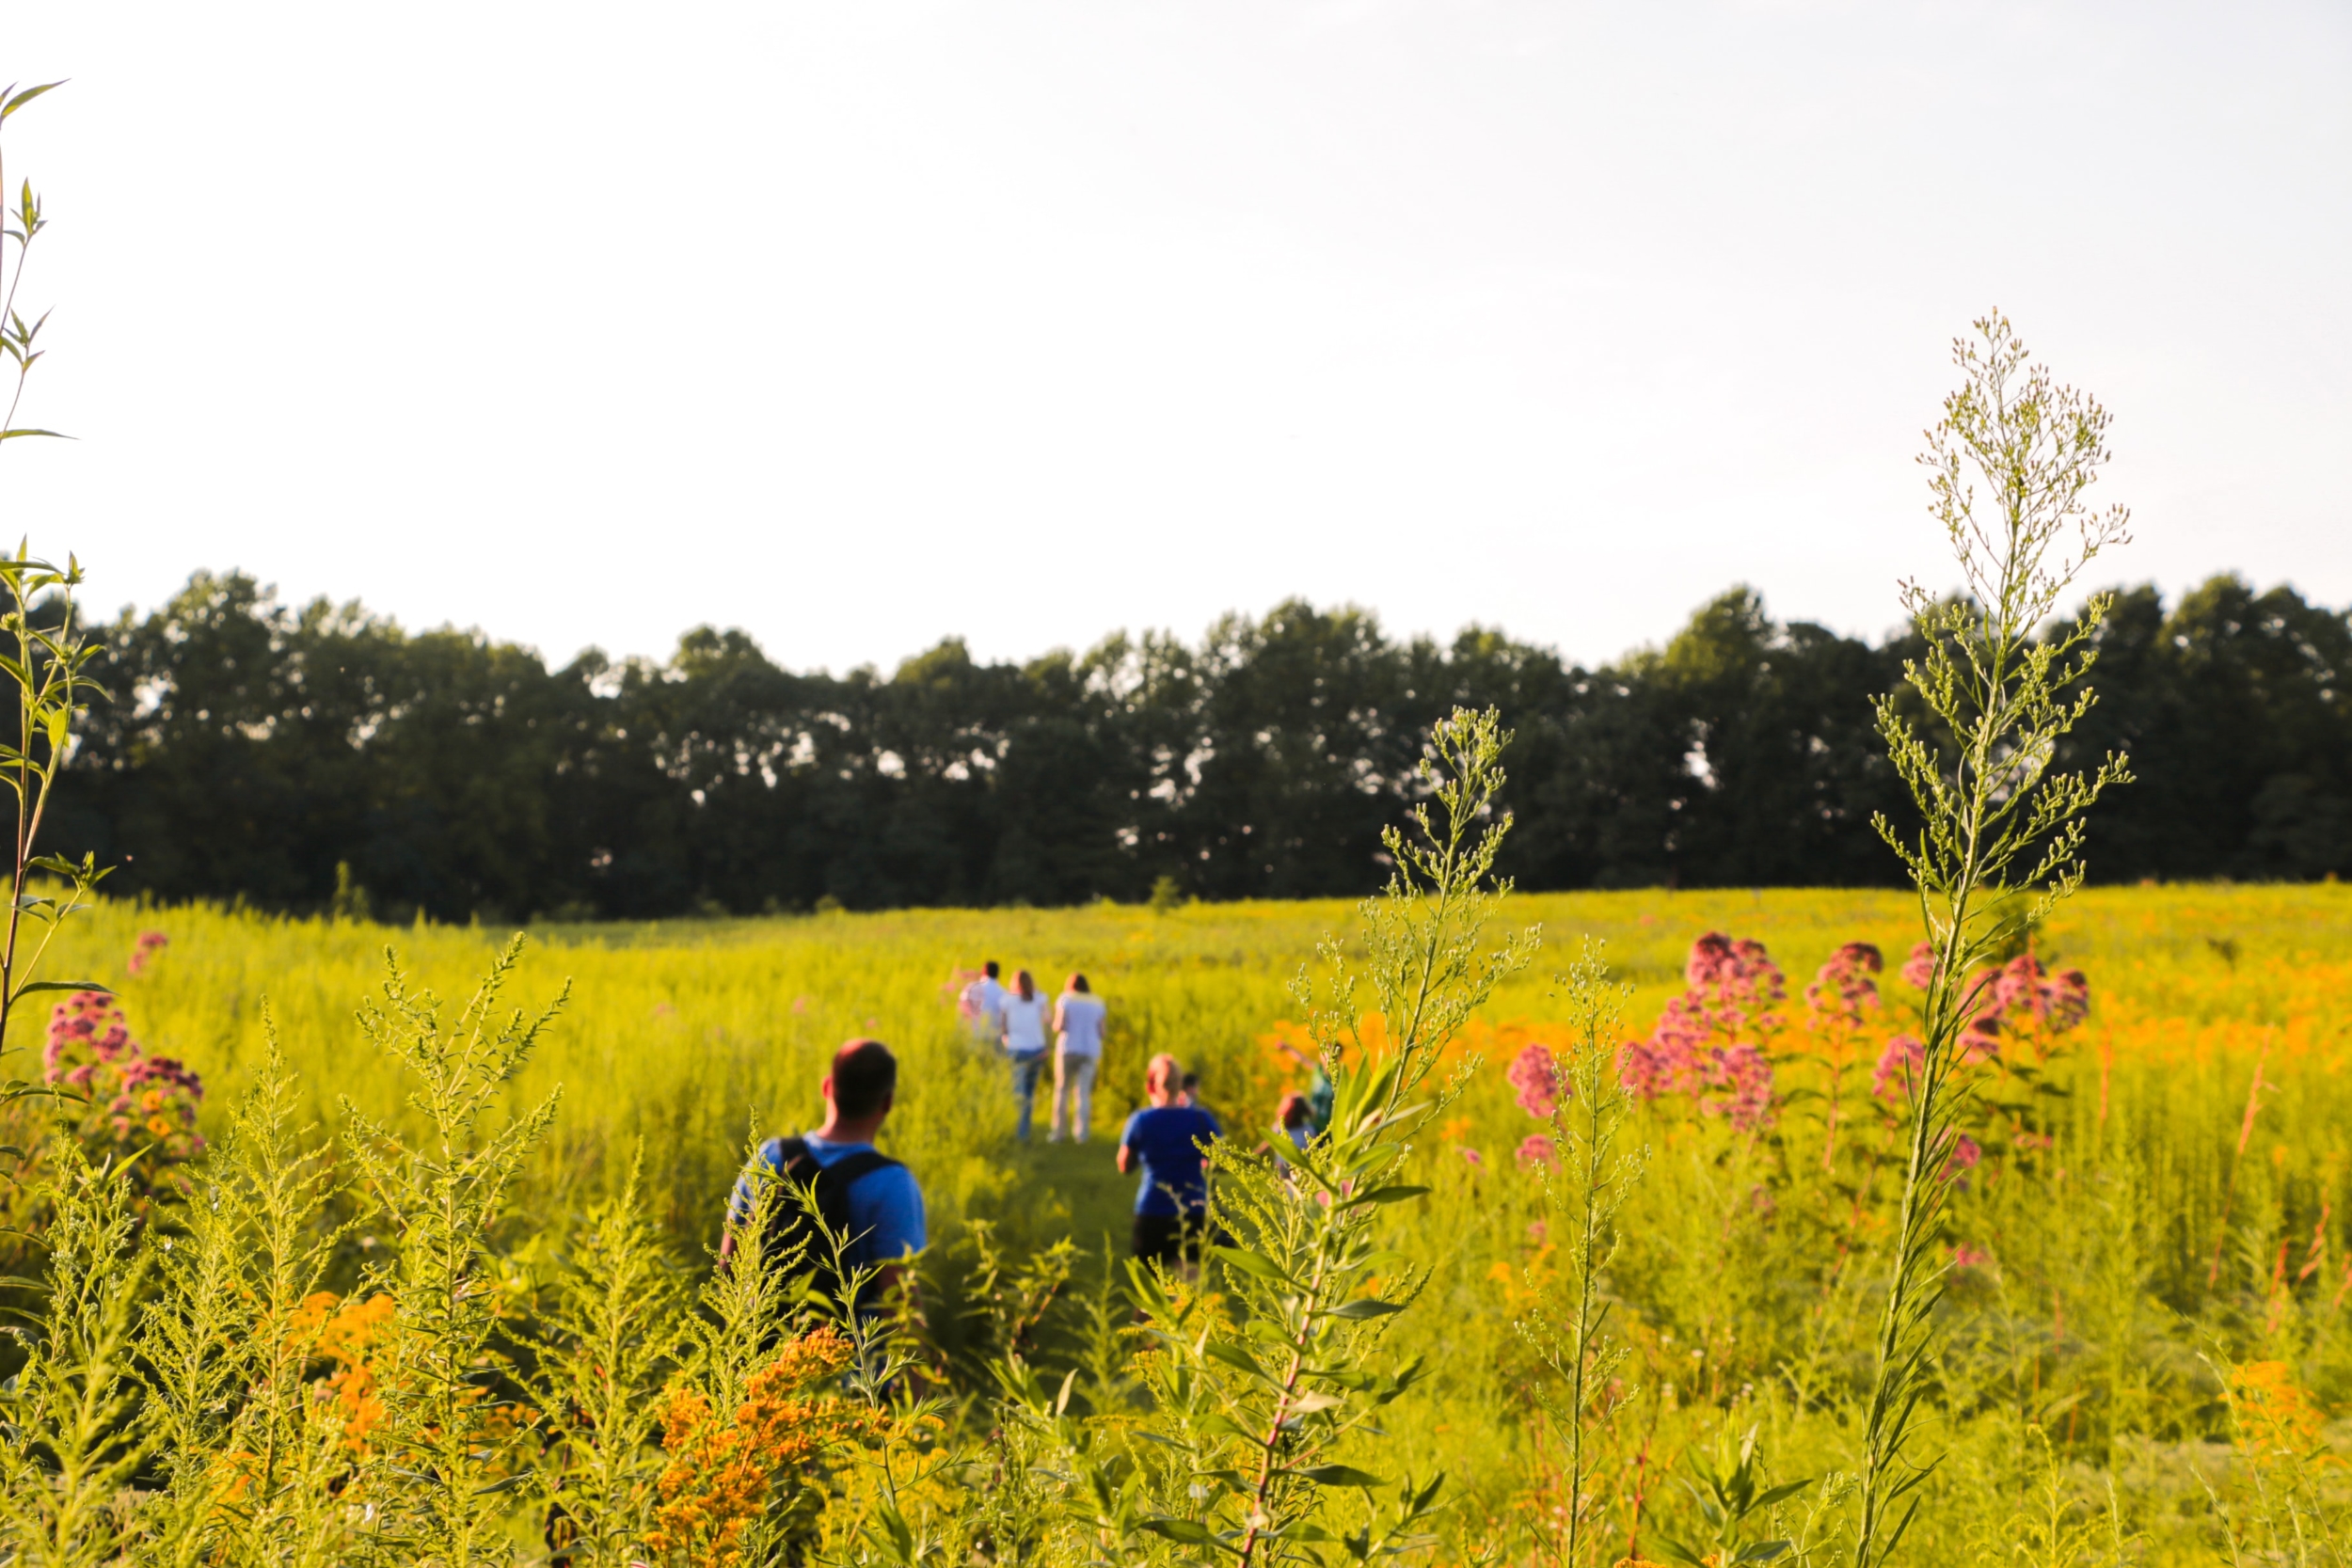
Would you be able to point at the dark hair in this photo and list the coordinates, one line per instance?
(1026, 985)
(1295, 1110)
(1078, 983)
(864, 1074)
(1192, 1081)
(990, 969)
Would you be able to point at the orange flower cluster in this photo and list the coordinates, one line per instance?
(721, 1473)
(2277, 1418)
(341, 1331)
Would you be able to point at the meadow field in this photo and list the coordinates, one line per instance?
(2145, 1341)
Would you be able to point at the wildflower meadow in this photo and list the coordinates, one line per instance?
(1999, 1221)
(2149, 1264)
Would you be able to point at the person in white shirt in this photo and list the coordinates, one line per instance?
(1078, 1021)
(1024, 1036)
(983, 1005)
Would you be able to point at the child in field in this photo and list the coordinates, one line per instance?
(1164, 1141)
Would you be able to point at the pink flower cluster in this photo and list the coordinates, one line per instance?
(1536, 1150)
(145, 949)
(1537, 1077)
(1898, 1066)
(1845, 987)
(133, 1098)
(1919, 969)
(2023, 988)
(1710, 1041)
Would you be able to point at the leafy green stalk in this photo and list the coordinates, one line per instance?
(1587, 1182)
(41, 653)
(446, 1454)
(292, 1457)
(1997, 818)
(23, 224)
(603, 1355)
(74, 1432)
(1261, 1395)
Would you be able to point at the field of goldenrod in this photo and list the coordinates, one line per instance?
(2151, 1266)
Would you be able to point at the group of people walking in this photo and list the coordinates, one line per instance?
(1020, 1022)
(876, 1202)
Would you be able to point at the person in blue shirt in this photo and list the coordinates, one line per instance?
(862, 1192)
(1165, 1141)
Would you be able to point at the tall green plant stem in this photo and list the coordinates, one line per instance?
(46, 665)
(1584, 1188)
(1996, 817)
(1261, 1391)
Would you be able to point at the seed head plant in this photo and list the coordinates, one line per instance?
(1997, 819)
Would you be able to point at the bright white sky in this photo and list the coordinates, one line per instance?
(860, 324)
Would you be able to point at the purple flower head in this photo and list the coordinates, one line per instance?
(1536, 1150)
(1643, 1071)
(1964, 1155)
(1744, 1080)
(1898, 1066)
(1536, 1076)
(1845, 986)
(1919, 969)
(1710, 1041)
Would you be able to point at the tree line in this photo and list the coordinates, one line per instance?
(302, 757)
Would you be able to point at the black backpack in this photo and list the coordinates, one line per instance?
(792, 1234)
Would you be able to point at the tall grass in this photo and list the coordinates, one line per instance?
(1745, 1276)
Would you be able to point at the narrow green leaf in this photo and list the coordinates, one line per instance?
(1357, 1311)
(31, 986)
(1233, 1355)
(12, 434)
(1191, 1532)
(1250, 1263)
(1394, 1194)
(19, 100)
(1339, 1475)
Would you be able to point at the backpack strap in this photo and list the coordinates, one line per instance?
(833, 1183)
(780, 1155)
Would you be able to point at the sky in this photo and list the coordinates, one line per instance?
(863, 325)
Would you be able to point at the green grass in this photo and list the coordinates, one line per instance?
(1748, 1274)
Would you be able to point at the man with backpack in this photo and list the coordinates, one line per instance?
(863, 1194)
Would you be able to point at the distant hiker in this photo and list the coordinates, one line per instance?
(1165, 1141)
(862, 1192)
(982, 1006)
(1322, 1094)
(1296, 1118)
(1079, 1018)
(1024, 1036)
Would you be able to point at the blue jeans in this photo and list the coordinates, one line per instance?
(1026, 1065)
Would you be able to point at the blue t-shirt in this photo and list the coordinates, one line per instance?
(885, 1205)
(1163, 1138)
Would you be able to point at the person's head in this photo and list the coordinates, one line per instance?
(1293, 1111)
(1025, 983)
(863, 1083)
(1078, 984)
(991, 969)
(1163, 1080)
(1188, 1091)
